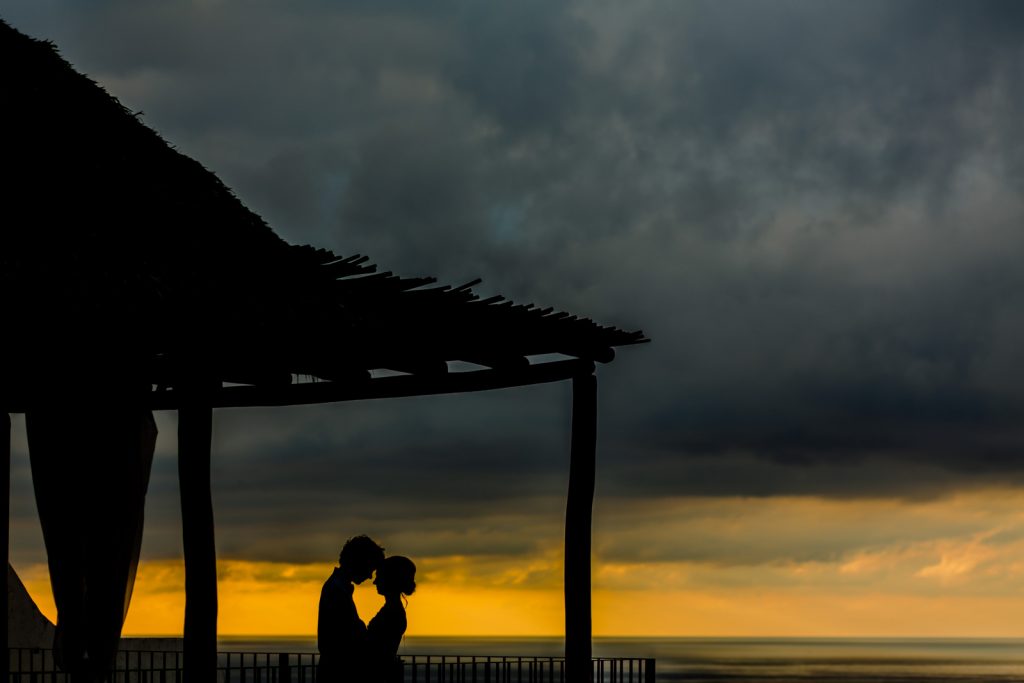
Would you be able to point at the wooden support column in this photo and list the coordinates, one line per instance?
(5, 535)
(195, 429)
(578, 514)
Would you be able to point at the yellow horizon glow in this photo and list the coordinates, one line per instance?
(260, 607)
(938, 568)
(279, 599)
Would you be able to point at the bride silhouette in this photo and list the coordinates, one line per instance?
(395, 577)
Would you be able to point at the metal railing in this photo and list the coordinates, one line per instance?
(33, 665)
(36, 665)
(515, 669)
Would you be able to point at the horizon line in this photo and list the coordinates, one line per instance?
(312, 636)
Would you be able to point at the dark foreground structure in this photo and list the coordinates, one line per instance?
(133, 280)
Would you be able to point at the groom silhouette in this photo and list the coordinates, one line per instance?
(340, 633)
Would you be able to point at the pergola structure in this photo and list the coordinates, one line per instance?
(132, 279)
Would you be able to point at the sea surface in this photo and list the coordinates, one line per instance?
(775, 660)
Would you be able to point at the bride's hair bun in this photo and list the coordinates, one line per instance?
(400, 572)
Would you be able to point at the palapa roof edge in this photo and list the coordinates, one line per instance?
(110, 229)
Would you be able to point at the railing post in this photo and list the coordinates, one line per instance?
(284, 671)
(649, 671)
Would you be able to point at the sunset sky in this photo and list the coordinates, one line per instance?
(813, 208)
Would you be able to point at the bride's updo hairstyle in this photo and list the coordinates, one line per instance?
(398, 573)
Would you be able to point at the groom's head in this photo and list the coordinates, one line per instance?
(359, 557)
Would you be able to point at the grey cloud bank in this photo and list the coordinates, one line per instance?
(813, 208)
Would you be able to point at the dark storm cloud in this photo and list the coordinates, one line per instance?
(290, 484)
(813, 208)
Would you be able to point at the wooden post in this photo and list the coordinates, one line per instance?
(195, 429)
(5, 535)
(578, 514)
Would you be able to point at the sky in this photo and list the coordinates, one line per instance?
(813, 208)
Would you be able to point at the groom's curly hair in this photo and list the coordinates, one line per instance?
(361, 550)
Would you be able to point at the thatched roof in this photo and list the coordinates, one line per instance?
(117, 251)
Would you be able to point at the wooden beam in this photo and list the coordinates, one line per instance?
(364, 389)
(195, 429)
(5, 535)
(601, 354)
(578, 517)
(433, 368)
(381, 387)
(498, 362)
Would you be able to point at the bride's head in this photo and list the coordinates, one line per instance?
(397, 574)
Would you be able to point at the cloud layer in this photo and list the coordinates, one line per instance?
(812, 207)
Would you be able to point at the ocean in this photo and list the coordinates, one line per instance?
(733, 660)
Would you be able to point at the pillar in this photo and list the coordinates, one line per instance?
(578, 516)
(5, 535)
(195, 430)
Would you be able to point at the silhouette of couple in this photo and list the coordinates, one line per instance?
(351, 651)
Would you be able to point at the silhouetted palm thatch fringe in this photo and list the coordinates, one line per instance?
(119, 253)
